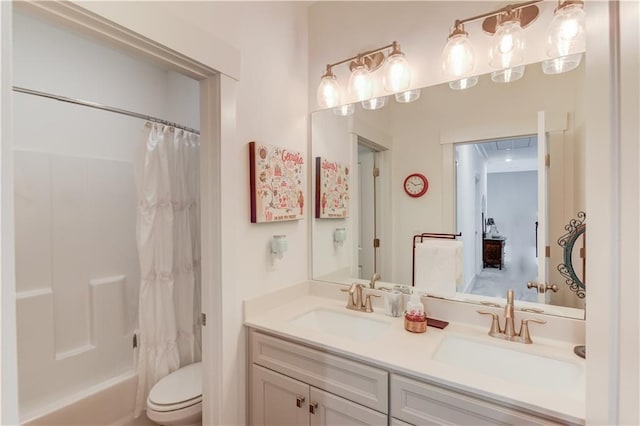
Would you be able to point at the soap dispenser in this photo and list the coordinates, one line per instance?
(415, 320)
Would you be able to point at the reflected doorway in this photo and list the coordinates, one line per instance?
(497, 213)
(368, 240)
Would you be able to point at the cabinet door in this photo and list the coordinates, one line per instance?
(277, 400)
(331, 410)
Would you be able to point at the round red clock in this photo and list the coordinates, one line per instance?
(416, 185)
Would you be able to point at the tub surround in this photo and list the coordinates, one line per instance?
(399, 351)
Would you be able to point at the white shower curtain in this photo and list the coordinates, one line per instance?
(168, 236)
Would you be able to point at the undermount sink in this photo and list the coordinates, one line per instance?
(513, 365)
(350, 326)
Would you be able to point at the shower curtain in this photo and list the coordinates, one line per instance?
(168, 237)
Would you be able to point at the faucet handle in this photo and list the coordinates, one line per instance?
(351, 301)
(495, 324)
(367, 302)
(524, 334)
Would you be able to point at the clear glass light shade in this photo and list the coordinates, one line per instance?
(567, 33)
(360, 84)
(464, 83)
(457, 57)
(508, 75)
(344, 110)
(408, 96)
(507, 46)
(397, 73)
(328, 92)
(562, 64)
(376, 103)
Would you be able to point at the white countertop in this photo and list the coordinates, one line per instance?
(407, 353)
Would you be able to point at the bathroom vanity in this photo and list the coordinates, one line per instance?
(311, 361)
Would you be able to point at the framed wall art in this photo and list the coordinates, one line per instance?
(332, 189)
(276, 175)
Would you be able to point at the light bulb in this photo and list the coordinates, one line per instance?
(508, 75)
(464, 83)
(562, 64)
(566, 34)
(457, 56)
(328, 91)
(376, 103)
(507, 45)
(360, 84)
(397, 74)
(408, 96)
(344, 110)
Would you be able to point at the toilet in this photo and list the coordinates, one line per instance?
(176, 400)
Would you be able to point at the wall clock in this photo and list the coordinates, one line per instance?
(416, 185)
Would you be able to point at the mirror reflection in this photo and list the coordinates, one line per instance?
(503, 164)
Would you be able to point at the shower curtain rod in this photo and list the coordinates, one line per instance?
(103, 107)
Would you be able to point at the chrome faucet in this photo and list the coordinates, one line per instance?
(509, 330)
(374, 278)
(356, 301)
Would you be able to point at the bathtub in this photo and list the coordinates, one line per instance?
(109, 403)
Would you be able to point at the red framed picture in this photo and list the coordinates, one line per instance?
(276, 183)
(332, 189)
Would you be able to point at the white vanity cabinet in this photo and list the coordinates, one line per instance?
(292, 384)
(415, 402)
(279, 400)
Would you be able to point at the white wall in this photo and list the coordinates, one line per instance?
(8, 355)
(512, 200)
(76, 257)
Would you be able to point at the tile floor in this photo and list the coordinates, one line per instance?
(515, 274)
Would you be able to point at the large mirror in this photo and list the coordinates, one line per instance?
(504, 165)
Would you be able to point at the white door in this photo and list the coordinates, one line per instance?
(277, 400)
(543, 208)
(330, 410)
(367, 209)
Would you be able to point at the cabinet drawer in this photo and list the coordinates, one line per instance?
(352, 380)
(333, 411)
(420, 403)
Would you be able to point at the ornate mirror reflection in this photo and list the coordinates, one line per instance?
(574, 259)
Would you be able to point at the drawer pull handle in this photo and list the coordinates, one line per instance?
(313, 407)
(300, 401)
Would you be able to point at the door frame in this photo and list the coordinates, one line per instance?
(111, 24)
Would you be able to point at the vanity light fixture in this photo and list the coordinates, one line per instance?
(507, 45)
(375, 103)
(396, 79)
(464, 83)
(408, 96)
(508, 75)
(565, 42)
(328, 90)
(567, 34)
(344, 110)
(458, 57)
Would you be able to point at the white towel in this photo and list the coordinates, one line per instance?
(438, 266)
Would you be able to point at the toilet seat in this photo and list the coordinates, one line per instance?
(162, 408)
(178, 390)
